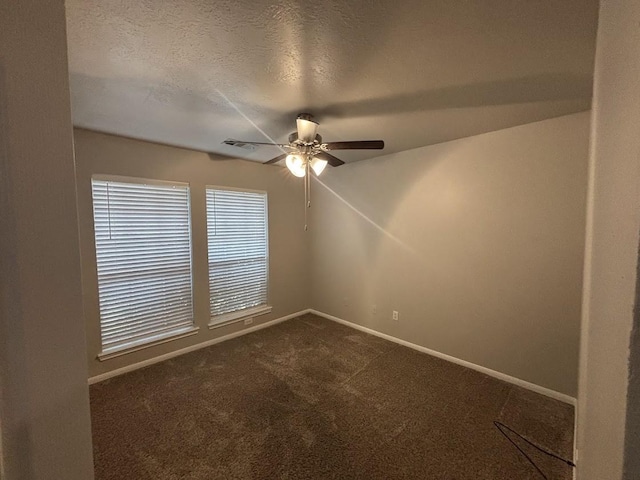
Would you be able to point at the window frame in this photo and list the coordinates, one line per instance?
(152, 339)
(230, 318)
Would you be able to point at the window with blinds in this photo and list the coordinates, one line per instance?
(237, 231)
(143, 249)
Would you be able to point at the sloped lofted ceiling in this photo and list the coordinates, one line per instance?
(412, 72)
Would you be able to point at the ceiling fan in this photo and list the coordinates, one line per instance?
(305, 149)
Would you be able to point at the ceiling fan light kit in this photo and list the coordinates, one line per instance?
(296, 165)
(306, 146)
(318, 165)
(306, 151)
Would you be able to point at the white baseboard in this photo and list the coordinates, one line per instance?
(192, 348)
(487, 371)
(492, 373)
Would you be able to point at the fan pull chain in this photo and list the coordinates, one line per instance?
(308, 184)
(307, 196)
(306, 200)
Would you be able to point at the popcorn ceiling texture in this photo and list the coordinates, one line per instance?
(194, 72)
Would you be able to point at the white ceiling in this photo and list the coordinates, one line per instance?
(411, 72)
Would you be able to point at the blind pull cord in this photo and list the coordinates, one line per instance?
(307, 195)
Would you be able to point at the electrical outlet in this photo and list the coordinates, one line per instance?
(248, 321)
(395, 316)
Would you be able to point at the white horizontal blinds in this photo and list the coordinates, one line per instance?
(143, 247)
(238, 250)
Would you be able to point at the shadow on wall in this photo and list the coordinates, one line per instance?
(478, 243)
(407, 201)
(356, 210)
(15, 442)
(632, 431)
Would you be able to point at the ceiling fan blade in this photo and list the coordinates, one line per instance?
(276, 159)
(242, 143)
(333, 161)
(307, 128)
(357, 145)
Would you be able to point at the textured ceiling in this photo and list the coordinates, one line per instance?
(413, 73)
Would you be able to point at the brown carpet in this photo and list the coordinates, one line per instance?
(312, 399)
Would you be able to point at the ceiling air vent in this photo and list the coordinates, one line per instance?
(239, 144)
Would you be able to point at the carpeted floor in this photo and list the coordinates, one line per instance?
(312, 399)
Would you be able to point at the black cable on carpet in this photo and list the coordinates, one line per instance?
(502, 427)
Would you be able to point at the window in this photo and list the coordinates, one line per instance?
(238, 254)
(143, 250)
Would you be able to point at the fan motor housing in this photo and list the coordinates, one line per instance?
(293, 138)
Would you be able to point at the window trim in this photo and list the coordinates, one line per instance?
(152, 340)
(146, 343)
(141, 181)
(240, 315)
(237, 316)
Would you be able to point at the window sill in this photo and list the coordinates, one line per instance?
(234, 317)
(124, 350)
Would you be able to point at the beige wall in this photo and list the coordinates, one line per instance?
(44, 402)
(288, 274)
(609, 401)
(478, 243)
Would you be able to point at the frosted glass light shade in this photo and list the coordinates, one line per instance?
(318, 165)
(296, 165)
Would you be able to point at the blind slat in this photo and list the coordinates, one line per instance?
(237, 232)
(143, 250)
